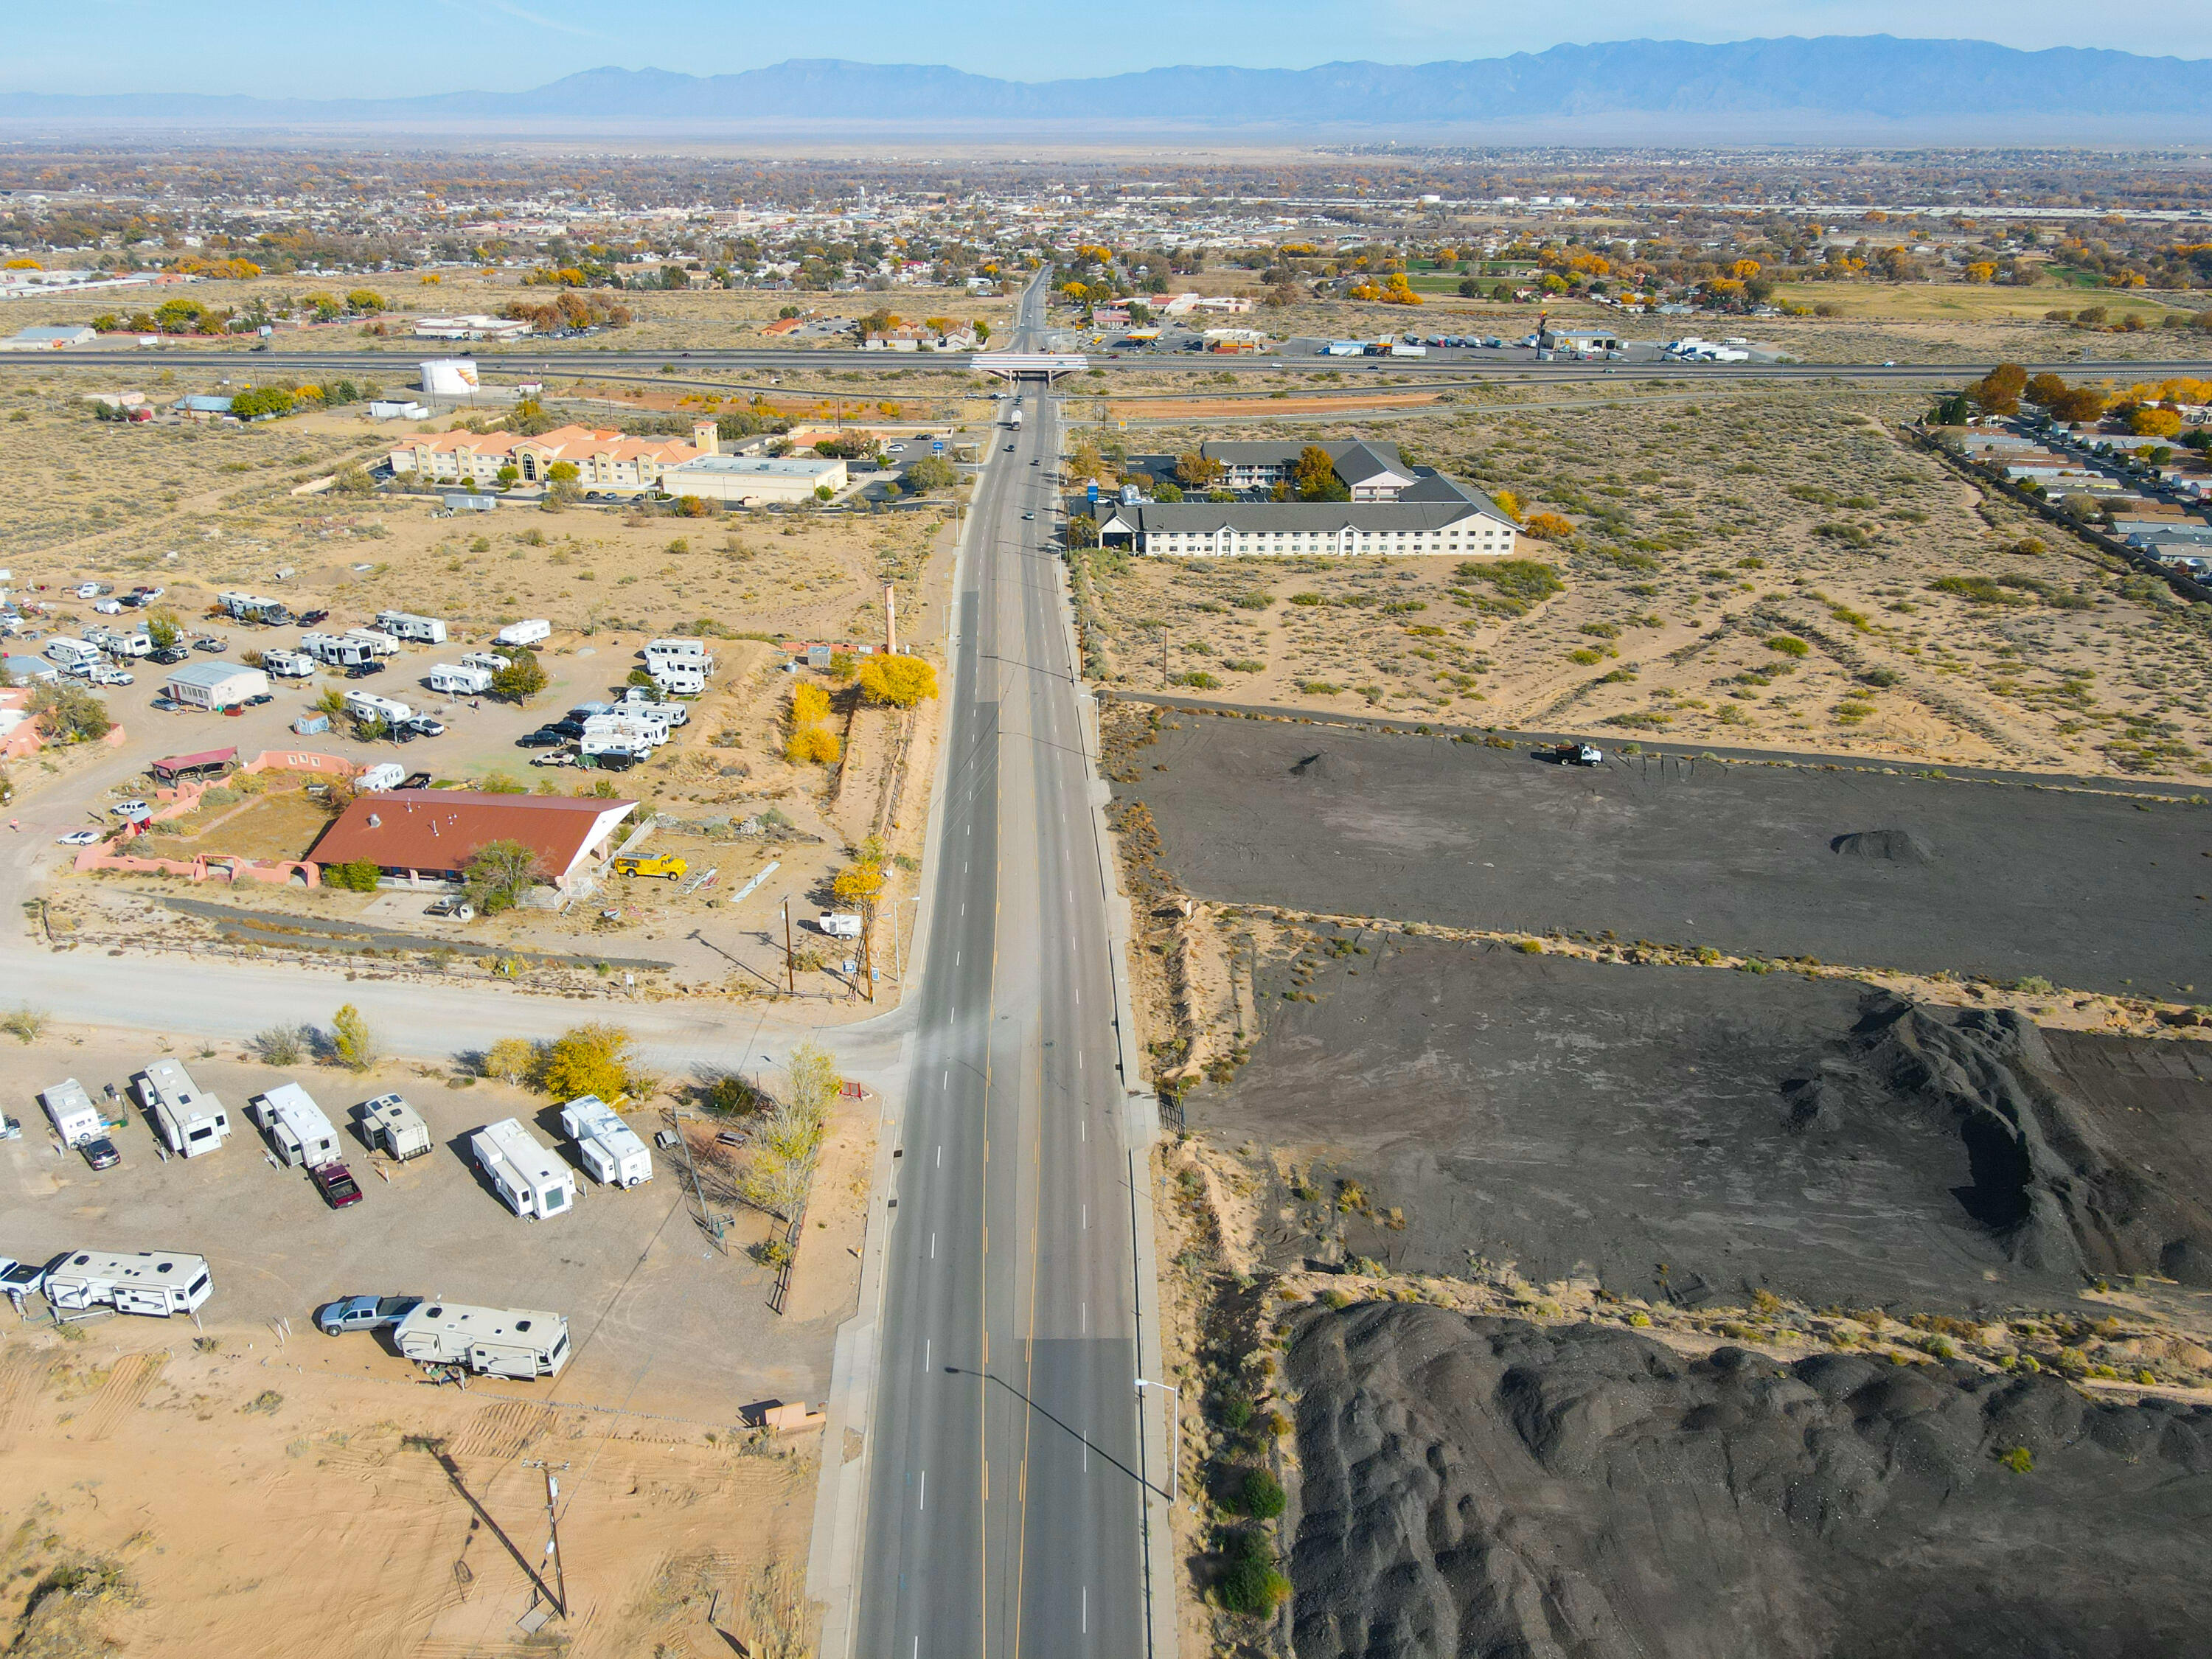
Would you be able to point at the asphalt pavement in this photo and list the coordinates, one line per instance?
(1006, 1474)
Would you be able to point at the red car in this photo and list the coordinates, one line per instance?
(336, 1183)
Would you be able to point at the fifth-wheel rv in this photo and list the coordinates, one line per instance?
(517, 1342)
(157, 1282)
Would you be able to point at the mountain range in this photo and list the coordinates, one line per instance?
(1877, 77)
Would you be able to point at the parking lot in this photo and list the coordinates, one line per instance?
(659, 1318)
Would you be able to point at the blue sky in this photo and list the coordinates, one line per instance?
(396, 47)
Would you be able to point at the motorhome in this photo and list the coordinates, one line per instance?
(610, 1149)
(516, 1342)
(190, 1122)
(529, 1179)
(289, 665)
(422, 630)
(367, 705)
(679, 679)
(298, 1133)
(254, 608)
(161, 1283)
(695, 651)
(390, 1126)
(338, 652)
(530, 631)
(73, 655)
(71, 1112)
(463, 680)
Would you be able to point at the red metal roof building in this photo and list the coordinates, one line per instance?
(430, 835)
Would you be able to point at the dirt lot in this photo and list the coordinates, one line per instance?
(673, 1340)
(1860, 867)
(1753, 570)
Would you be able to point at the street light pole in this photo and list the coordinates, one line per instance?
(553, 1521)
(1175, 1436)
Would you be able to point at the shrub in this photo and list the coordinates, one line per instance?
(498, 873)
(280, 1045)
(25, 1024)
(513, 1060)
(1261, 1495)
(2018, 1459)
(1978, 589)
(813, 747)
(354, 876)
(1549, 527)
(1789, 645)
(1252, 601)
(1197, 678)
(1252, 1585)
(352, 1043)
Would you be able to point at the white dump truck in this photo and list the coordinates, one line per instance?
(162, 1283)
(610, 1148)
(517, 1342)
(71, 1112)
(390, 1126)
(298, 1132)
(529, 1179)
(191, 1122)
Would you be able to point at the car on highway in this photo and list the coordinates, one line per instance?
(99, 1152)
(209, 642)
(1029, 515)
(363, 1313)
(546, 738)
(81, 837)
(336, 1183)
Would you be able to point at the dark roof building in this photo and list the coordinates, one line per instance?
(431, 834)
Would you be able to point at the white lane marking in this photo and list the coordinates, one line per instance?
(945, 1082)
(940, 1157)
(1079, 1060)
(933, 1247)
(1086, 1220)
(1087, 1589)
(927, 1343)
(1084, 1126)
(956, 958)
(924, 1502)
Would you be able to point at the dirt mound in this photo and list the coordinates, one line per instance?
(1485, 1486)
(2043, 1178)
(1888, 846)
(1321, 766)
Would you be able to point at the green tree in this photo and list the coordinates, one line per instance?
(351, 1040)
(589, 1060)
(66, 713)
(331, 702)
(163, 629)
(523, 678)
(262, 402)
(354, 876)
(931, 472)
(498, 873)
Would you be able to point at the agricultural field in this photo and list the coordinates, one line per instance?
(1755, 570)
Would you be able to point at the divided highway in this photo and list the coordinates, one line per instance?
(1005, 1465)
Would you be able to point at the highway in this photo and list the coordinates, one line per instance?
(1512, 364)
(1006, 1464)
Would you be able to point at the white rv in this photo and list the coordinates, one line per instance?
(367, 705)
(636, 729)
(289, 665)
(423, 630)
(385, 774)
(157, 1282)
(465, 680)
(531, 631)
(70, 1110)
(529, 1179)
(74, 655)
(191, 1122)
(490, 661)
(390, 1124)
(298, 1132)
(380, 645)
(517, 1342)
(680, 679)
(337, 652)
(610, 1149)
(694, 652)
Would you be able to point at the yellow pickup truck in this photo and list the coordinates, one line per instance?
(668, 866)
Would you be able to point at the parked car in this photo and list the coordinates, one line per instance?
(424, 727)
(20, 1278)
(108, 607)
(209, 642)
(100, 1153)
(568, 728)
(257, 699)
(309, 619)
(124, 809)
(362, 671)
(336, 1183)
(363, 1313)
(544, 737)
(87, 590)
(171, 653)
(80, 838)
(454, 905)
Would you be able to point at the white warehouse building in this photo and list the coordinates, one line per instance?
(753, 478)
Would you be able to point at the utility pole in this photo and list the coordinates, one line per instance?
(553, 1521)
(790, 973)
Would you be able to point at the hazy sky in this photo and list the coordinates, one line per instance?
(317, 48)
